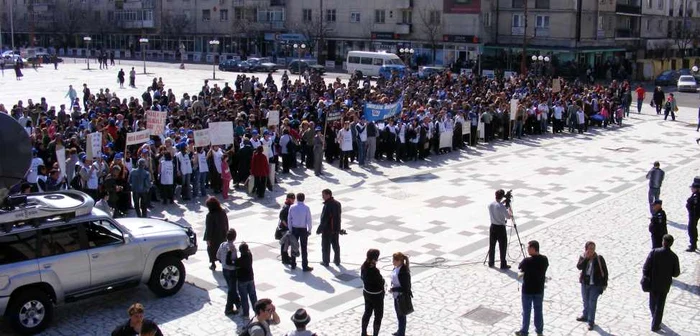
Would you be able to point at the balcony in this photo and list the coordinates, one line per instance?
(274, 3)
(626, 33)
(517, 31)
(542, 32)
(403, 4)
(135, 19)
(628, 9)
(600, 33)
(402, 29)
(137, 4)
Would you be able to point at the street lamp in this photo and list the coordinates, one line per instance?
(144, 44)
(214, 44)
(540, 62)
(408, 54)
(300, 48)
(695, 68)
(87, 40)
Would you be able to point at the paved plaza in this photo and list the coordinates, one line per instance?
(567, 188)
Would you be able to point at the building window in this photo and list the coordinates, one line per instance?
(542, 21)
(330, 15)
(206, 15)
(188, 15)
(648, 24)
(407, 16)
(355, 17)
(660, 4)
(306, 15)
(601, 22)
(518, 4)
(649, 3)
(379, 16)
(542, 4)
(223, 14)
(434, 17)
(518, 20)
(487, 19)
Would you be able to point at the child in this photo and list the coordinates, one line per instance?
(246, 282)
(103, 204)
(225, 176)
(167, 190)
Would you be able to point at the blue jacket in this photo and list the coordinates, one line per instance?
(140, 180)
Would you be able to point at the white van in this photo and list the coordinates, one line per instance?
(368, 63)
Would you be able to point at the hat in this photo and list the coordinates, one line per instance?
(658, 201)
(319, 129)
(255, 132)
(181, 145)
(118, 156)
(696, 182)
(300, 316)
(190, 132)
(110, 145)
(266, 133)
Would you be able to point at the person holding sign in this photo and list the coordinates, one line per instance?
(167, 179)
(184, 171)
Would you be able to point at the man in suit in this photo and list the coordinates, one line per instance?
(330, 228)
(661, 266)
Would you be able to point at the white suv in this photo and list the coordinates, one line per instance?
(56, 248)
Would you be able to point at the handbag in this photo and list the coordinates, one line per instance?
(279, 232)
(405, 304)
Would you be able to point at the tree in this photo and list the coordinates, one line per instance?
(69, 19)
(175, 25)
(684, 36)
(246, 25)
(432, 27)
(315, 31)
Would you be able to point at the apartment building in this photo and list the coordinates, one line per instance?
(669, 28)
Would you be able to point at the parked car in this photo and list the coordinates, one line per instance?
(299, 66)
(430, 71)
(387, 71)
(234, 65)
(262, 64)
(687, 71)
(45, 58)
(687, 83)
(11, 59)
(56, 247)
(666, 78)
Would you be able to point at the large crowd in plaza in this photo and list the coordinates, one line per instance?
(102, 144)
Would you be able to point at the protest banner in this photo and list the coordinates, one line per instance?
(93, 147)
(556, 85)
(513, 108)
(446, 139)
(273, 118)
(201, 138)
(221, 133)
(155, 121)
(375, 112)
(490, 74)
(135, 138)
(61, 158)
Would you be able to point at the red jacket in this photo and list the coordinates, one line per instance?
(259, 166)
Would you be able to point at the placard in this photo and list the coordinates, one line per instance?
(155, 121)
(93, 145)
(446, 139)
(201, 138)
(556, 85)
(61, 158)
(513, 108)
(135, 138)
(333, 115)
(490, 74)
(221, 133)
(273, 118)
(465, 71)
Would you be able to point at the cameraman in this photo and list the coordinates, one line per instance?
(499, 214)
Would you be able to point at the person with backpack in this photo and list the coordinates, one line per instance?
(301, 318)
(228, 256)
(265, 315)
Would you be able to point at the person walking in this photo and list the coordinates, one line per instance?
(658, 99)
(259, 169)
(301, 319)
(228, 256)
(660, 267)
(641, 94)
(497, 232)
(132, 78)
(246, 279)
(120, 78)
(71, 94)
(533, 272)
(265, 315)
(318, 152)
(373, 292)
(283, 226)
(594, 281)
(299, 221)
(330, 228)
(693, 207)
(400, 286)
(137, 324)
(140, 181)
(657, 226)
(215, 230)
(670, 107)
(656, 178)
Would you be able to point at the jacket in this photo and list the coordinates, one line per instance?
(259, 166)
(244, 268)
(661, 267)
(404, 281)
(656, 177)
(216, 226)
(223, 251)
(657, 226)
(693, 205)
(372, 280)
(290, 241)
(330, 217)
(600, 270)
(140, 180)
(126, 329)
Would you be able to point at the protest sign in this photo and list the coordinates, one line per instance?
(513, 108)
(61, 158)
(221, 133)
(93, 147)
(139, 137)
(201, 138)
(333, 116)
(374, 112)
(273, 118)
(155, 121)
(556, 85)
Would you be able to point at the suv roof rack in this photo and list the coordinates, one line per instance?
(38, 208)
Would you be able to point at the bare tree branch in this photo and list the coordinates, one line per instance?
(684, 36)
(432, 27)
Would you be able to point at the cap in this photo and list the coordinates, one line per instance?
(118, 156)
(696, 182)
(266, 133)
(110, 145)
(255, 132)
(319, 129)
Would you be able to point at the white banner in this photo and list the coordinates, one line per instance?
(201, 138)
(446, 139)
(93, 145)
(139, 137)
(221, 133)
(490, 74)
(61, 158)
(273, 118)
(513, 108)
(155, 121)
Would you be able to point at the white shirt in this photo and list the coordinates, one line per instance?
(395, 280)
(267, 147)
(92, 182)
(299, 216)
(33, 173)
(345, 140)
(362, 135)
(581, 116)
(218, 154)
(558, 111)
(166, 172)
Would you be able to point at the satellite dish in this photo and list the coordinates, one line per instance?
(15, 151)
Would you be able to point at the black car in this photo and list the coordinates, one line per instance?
(262, 64)
(299, 66)
(667, 78)
(234, 65)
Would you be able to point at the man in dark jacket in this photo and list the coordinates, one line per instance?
(594, 281)
(330, 228)
(657, 227)
(661, 266)
(693, 207)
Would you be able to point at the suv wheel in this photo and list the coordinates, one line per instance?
(30, 312)
(167, 277)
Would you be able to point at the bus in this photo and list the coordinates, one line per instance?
(367, 63)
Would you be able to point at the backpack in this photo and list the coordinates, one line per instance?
(246, 329)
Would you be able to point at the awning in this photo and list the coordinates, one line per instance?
(553, 49)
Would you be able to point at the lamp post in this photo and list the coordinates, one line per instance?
(407, 53)
(540, 61)
(214, 44)
(300, 48)
(87, 40)
(144, 44)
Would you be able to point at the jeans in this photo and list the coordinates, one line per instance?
(518, 129)
(673, 114)
(401, 319)
(202, 183)
(361, 151)
(303, 235)
(530, 300)
(371, 149)
(657, 302)
(640, 102)
(590, 294)
(247, 291)
(141, 204)
(185, 191)
(374, 303)
(232, 297)
(653, 196)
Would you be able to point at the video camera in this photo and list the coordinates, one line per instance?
(508, 198)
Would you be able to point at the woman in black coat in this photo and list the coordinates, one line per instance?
(373, 292)
(215, 229)
(658, 99)
(400, 285)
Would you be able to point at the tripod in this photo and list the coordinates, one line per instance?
(517, 234)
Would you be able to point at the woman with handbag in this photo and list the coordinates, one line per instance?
(594, 281)
(373, 292)
(401, 290)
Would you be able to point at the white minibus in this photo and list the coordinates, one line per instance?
(367, 63)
